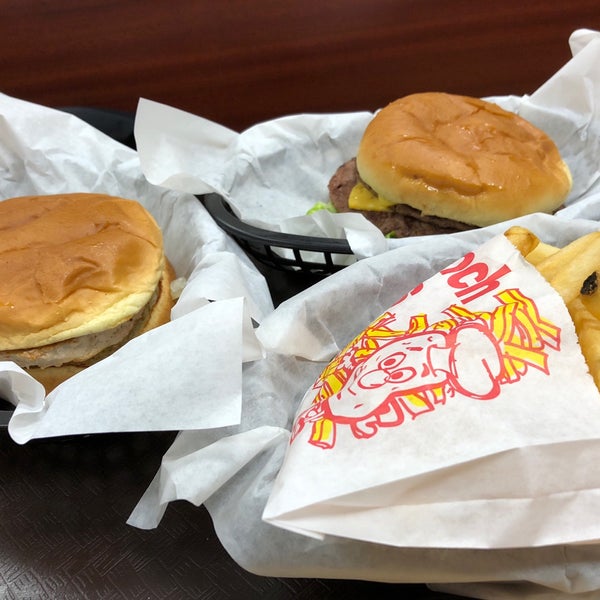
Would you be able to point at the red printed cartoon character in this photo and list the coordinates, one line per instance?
(385, 376)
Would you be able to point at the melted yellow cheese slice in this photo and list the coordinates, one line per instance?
(362, 198)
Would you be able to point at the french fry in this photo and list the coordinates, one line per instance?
(524, 240)
(587, 327)
(529, 245)
(540, 253)
(590, 295)
(567, 269)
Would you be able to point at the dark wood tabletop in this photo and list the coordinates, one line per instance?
(64, 502)
(63, 534)
(239, 62)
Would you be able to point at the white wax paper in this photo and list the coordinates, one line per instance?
(185, 374)
(300, 337)
(421, 434)
(274, 172)
(304, 333)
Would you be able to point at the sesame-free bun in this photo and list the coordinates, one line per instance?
(461, 158)
(80, 273)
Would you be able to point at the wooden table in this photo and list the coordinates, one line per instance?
(240, 62)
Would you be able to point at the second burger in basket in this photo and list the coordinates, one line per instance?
(81, 275)
(439, 163)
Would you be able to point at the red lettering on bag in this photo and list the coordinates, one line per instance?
(472, 280)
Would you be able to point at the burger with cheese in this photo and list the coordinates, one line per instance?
(439, 163)
(81, 275)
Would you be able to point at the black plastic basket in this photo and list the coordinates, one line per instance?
(288, 252)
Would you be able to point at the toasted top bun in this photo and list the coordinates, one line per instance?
(461, 158)
(72, 265)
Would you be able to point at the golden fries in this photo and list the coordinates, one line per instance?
(587, 327)
(529, 245)
(590, 296)
(524, 240)
(541, 252)
(567, 269)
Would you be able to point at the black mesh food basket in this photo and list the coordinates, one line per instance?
(284, 251)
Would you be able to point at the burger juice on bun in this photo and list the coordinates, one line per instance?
(434, 162)
(81, 275)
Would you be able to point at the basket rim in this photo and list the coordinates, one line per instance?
(222, 213)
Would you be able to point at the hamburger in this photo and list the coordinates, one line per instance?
(81, 275)
(439, 163)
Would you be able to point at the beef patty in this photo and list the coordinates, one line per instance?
(400, 221)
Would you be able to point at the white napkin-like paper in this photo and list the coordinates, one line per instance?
(154, 382)
(440, 424)
(300, 338)
(186, 374)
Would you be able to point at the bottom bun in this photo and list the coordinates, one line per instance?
(52, 377)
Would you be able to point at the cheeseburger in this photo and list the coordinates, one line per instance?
(81, 275)
(434, 163)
